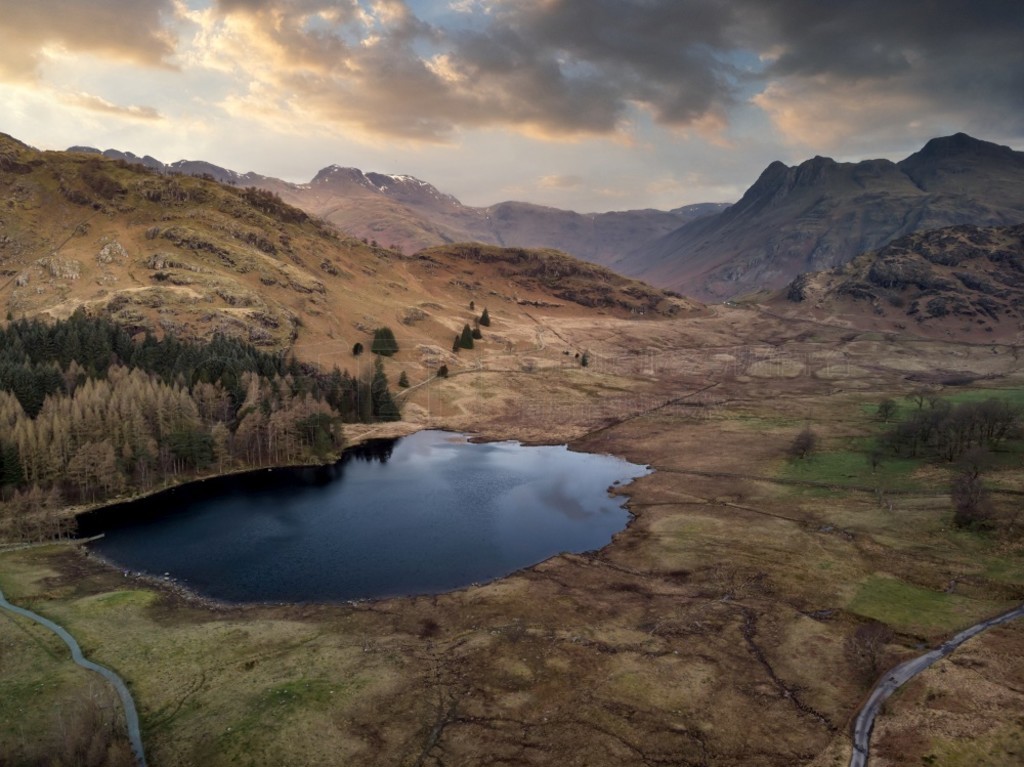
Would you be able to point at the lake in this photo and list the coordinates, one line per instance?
(423, 514)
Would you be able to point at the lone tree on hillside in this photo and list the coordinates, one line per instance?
(403, 380)
(972, 506)
(886, 409)
(466, 339)
(357, 349)
(803, 444)
(866, 648)
(456, 344)
(384, 342)
(485, 318)
(442, 372)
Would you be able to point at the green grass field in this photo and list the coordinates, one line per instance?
(917, 610)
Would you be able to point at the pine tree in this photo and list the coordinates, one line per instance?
(384, 407)
(466, 339)
(485, 318)
(403, 380)
(384, 342)
(477, 334)
(456, 344)
(10, 466)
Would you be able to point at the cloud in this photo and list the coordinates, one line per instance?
(709, 73)
(553, 69)
(841, 72)
(558, 181)
(127, 30)
(98, 104)
(561, 69)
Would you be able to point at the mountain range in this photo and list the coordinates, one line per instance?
(405, 213)
(810, 217)
(822, 213)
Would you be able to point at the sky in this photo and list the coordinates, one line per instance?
(589, 105)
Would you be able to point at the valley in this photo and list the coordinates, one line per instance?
(739, 619)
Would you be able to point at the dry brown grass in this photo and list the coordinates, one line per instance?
(712, 631)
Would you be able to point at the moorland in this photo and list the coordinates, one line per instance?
(787, 549)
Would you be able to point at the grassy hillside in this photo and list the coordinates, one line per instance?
(192, 256)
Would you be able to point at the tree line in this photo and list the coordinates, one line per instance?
(948, 431)
(88, 413)
(963, 434)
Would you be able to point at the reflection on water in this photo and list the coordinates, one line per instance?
(372, 450)
(423, 514)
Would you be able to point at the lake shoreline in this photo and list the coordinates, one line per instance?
(569, 501)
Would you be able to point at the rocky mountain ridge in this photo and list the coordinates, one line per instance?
(822, 213)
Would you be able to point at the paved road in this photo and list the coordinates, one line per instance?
(130, 714)
(902, 674)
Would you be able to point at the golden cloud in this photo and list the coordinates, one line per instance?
(98, 104)
(127, 30)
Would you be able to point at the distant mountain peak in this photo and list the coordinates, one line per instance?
(341, 175)
(397, 186)
(958, 143)
(961, 146)
(822, 213)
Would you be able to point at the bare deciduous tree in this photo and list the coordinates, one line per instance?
(803, 444)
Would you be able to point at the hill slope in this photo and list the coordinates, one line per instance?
(822, 213)
(963, 281)
(192, 256)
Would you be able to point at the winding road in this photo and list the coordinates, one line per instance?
(902, 674)
(130, 714)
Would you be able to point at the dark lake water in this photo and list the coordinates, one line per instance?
(423, 514)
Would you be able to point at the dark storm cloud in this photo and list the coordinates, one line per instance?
(687, 59)
(882, 38)
(577, 66)
(681, 57)
(584, 61)
(952, 63)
